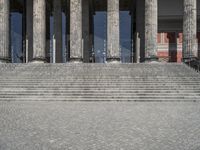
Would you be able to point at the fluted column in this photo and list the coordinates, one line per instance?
(76, 48)
(190, 29)
(39, 30)
(58, 29)
(4, 31)
(113, 35)
(151, 29)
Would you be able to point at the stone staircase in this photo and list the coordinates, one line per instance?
(99, 82)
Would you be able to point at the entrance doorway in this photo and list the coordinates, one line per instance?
(126, 15)
(17, 31)
(100, 31)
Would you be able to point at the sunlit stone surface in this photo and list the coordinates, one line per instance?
(99, 106)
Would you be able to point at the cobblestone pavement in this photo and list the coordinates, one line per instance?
(99, 126)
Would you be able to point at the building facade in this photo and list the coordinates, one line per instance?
(99, 31)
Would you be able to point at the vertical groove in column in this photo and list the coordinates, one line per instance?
(190, 29)
(4, 31)
(58, 29)
(113, 34)
(76, 53)
(39, 30)
(151, 28)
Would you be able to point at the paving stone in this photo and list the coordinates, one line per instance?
(99, 125)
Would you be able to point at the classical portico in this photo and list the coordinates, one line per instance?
(99, 30)
(99, 74)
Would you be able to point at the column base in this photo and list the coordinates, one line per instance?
(189, 59)
(113, 60)
(76, 60)
(152, 59)
(5, 60)
(39, 60)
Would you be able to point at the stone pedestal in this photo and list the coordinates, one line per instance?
(190, 29)
(113, 35)
(39, 30)
(151, 29)
(76, 42)
(4, 31)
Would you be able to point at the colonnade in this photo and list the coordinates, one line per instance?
(113, 32)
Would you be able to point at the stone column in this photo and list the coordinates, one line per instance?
(4, 31)
(113, 35)
(76, 49)
(86, 31)
(151, 29)
(58, 29)
(39, 30)
(190, 29)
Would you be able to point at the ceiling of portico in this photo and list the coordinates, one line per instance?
(167, 9)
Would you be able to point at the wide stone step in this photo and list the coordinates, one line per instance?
(177, 87)
(85, 77)
(100, 81)
(103, 95)
(8, 90)
(97, 82)
(153, 99)
(98, 85)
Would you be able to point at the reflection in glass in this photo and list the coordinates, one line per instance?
(51, 31)
(125, 36)
(16, 31)
(16, 37)
(100, 36)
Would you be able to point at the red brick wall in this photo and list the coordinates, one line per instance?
(168, 46)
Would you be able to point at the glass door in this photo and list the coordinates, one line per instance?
(126, 30)
(17, 29)
(100, 31)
